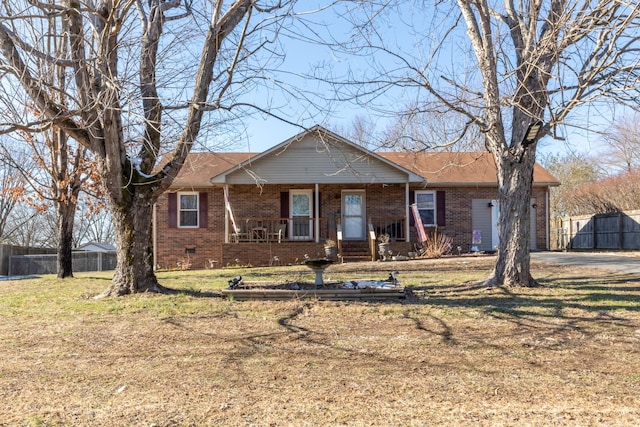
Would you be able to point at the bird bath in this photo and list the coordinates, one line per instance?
(318, 266)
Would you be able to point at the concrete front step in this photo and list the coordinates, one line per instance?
(355, 258)
(355, 251)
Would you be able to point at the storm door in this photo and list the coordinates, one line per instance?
(301, 215)
(353, 215)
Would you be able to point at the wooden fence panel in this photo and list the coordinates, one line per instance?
(582, 235)
(603, 231)
(606, 230)
(630, 231)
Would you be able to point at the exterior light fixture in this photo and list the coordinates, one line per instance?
(532, 133)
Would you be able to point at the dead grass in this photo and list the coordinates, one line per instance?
(567, 353)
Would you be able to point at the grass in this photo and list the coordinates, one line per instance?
(567, 353)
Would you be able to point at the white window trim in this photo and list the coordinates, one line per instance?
(435, 205)
(197, 209)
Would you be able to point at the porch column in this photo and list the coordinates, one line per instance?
(316, 209)
(226, 215)
(407, 237)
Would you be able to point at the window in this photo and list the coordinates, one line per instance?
(188, 210)
(426, 202)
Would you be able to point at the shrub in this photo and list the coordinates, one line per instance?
(436, 245)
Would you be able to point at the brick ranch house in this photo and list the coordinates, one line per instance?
(283, 204)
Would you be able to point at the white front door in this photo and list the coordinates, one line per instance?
(354, 215)
(301, 227)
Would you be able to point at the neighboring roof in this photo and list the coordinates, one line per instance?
(448, 169)
(198, 168)
(96, 247)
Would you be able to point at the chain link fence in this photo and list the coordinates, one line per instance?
(24, 265)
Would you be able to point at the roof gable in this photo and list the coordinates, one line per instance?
(317, 156)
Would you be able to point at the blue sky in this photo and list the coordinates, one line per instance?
(263, 132)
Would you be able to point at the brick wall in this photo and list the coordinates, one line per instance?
(458, 221)
(173, 244)
(458, 214)
(207, 249)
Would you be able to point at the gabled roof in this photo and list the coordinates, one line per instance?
(317, 155)
(449, 169)
(444, 169)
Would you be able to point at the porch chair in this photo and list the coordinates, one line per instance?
(278, 233)
(240, 236)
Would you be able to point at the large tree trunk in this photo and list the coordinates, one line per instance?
(134, 271)
(65, 218)
(512, 267)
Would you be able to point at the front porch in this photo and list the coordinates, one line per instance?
(318, 230)
(282, 241)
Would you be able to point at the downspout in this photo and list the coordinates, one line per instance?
(406, 213)
(316, 214)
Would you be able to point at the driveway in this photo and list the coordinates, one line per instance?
(624, 262)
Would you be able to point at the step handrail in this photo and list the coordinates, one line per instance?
(372, 242)
(339, 239)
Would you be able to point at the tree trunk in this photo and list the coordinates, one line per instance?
(512, 267)
(134, 271)
(65, 218)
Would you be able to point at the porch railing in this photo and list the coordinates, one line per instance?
(263, 230)
(392, 225)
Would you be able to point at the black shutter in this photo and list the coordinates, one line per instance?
(203, 208)
(412, 200)
(173, 209)
(440, 208)
(284, 204)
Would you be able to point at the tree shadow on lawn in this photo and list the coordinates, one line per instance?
(557, 307)
(607, 293)
(548, 316)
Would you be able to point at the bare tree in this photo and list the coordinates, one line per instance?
(512, 70)
(611, 194)
(57, 172)
(573, 171)
(361, 130)
(93, 223)
(12, 189)
(32, 225)
(144, 75)
(419, 131)
(622, 145)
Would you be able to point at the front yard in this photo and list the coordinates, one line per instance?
(453, 353)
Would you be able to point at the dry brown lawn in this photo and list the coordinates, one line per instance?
(565, 354)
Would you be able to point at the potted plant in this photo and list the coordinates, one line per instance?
(383, 245)
(330, 249)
